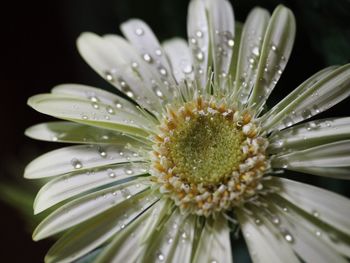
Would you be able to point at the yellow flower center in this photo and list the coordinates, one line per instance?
(208, 157)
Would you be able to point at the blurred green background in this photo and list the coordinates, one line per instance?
(39, 52)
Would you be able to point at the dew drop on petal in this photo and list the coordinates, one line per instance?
(162, 71)
(109, 76)
(200, 56)
(255, 51)
(110, 110)
(139, 31)
(187, 69)
(146, 57)
(160, 256)
(76, 163)
(288, 237)
(111, 173)
(199, 34)
(102, 152)
(230, 42)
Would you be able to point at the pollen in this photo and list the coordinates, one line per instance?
(208, 157)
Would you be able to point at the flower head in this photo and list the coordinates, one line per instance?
(165, 174)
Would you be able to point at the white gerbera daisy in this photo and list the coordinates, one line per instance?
(165, 175)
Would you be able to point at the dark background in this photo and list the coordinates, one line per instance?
(38, 39)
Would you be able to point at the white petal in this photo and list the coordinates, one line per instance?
(125, 246)
(332, 208)
(312, 224)
(332, 155)
(310, 134)
(78, 158)
(70, 132)
(180, 59)
(276, 49)
(149, 49)
(114, 64)
(90, 113)
(250, 50)
(66, 186)
(222, 26)
(97, 95)
(96, 231)
(320, 92)
(306, 244)
(265, 242)
(156, 78)
(198, 35)
(235, 51)
(214, 242)
(173, 241)
(86, 207)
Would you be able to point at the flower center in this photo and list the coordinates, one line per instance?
(205, 149)
(208, 157)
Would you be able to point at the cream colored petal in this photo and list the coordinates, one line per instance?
(250, 49)
(180, 57)
(265, 242)
(277, 46)
(332, 208)
(96, 231)
(199, 37)
(214, 242)
(77, 159)
(333, 155)
(86, 207)
(312, 224)
(66, 186)
(113, 63)
(70, 132)
(173, 240)
(221, 26)
(310, 134)
(90, 113)
(317, 94)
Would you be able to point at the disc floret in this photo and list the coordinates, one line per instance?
(208, 157)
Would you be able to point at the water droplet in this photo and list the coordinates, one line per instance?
(126, 193)
(102, 152)
(199, 34)
(162, 71)
(158, 52)
(200, 56)
(255, 51)
(110, 110)
(184, 235)
(134, 65)
(109, 76)
(111, 173)
(160, 256)
(54, 138)
(213, 261)
(187, 69)
(170, 240)
(315, 213)
(274, 48)
(257, 221)
(288, 237)
(76, 163)
(230, 42)
(147, 58)
(318, 233)
(84, 117)
(139, 31)
(157, 91)
(118, 105)
(95, 105)
(275, 220)
(129, 171)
